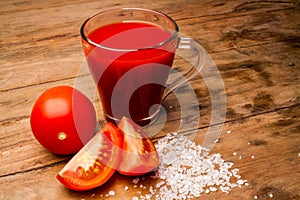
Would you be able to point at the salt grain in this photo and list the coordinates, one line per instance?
(126, 188)
(271, 195)
(111, 193)
(240, 182)
(148, 196)
(255, 197)
(213, 189)
(136, 180)
(187, 170)
(158, 185)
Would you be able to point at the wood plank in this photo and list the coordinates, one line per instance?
(219, 33)
(255, 45)
(16, 135)
(271, 138)
(266, 65)
(255, 95)
(59, 58)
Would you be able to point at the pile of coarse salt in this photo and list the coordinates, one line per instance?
(187, 170)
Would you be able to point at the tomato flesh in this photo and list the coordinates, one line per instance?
(138, 154)
(95, 163)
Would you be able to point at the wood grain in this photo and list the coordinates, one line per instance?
(255, 45)
(266, 171)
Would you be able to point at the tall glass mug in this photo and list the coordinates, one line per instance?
(130, 52)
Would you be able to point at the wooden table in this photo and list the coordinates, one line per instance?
(255, 45)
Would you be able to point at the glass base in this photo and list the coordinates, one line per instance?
(141, 122)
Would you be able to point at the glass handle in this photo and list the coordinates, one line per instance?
(196, 57)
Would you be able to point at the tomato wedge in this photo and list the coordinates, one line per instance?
(95, 163)
(138, 154)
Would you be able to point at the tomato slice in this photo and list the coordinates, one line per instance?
(95, 163)
(138, 154)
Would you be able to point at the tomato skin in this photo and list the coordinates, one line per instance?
(63, 120)
(138, 154)
(95, 163)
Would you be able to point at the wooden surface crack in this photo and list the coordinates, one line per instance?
(35, 169)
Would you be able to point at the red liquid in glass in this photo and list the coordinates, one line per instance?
(146, 68)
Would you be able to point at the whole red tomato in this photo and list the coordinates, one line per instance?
(63, 120)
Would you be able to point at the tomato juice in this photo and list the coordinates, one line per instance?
(139, 56)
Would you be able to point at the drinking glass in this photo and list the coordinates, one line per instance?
(130, 52)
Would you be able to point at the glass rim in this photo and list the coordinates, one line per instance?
(173, 36)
